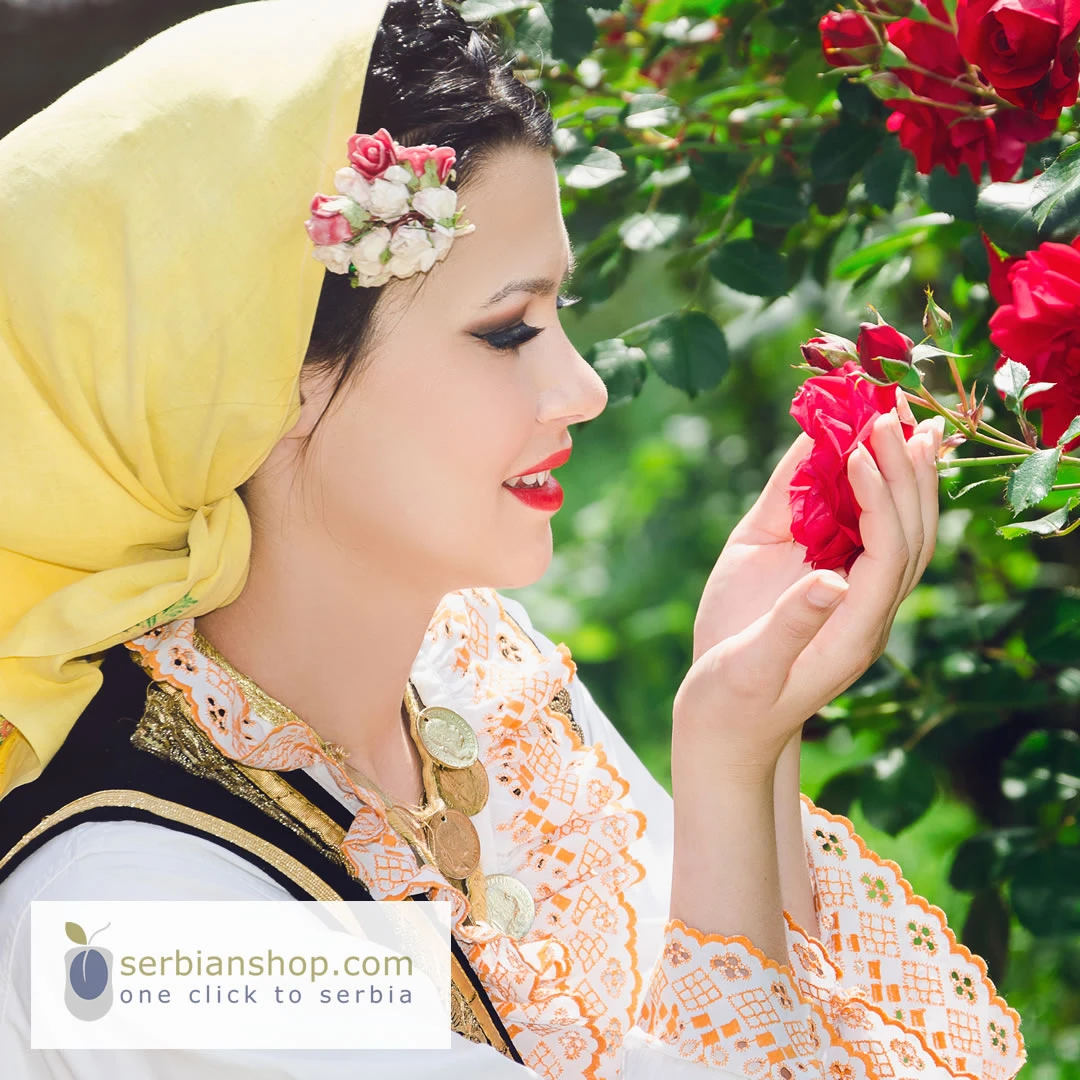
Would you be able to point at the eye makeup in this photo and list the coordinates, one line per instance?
(507, 338)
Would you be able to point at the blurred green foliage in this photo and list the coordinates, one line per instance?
(725, 198)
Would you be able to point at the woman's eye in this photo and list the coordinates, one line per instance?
(510, 337)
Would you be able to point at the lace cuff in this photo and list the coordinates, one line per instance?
(888, 993)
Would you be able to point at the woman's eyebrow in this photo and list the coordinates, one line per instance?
(537, 286)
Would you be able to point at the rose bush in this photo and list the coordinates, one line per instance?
(1025, 48)
(939, 120)
(837, 411)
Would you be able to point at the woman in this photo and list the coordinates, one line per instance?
(177, 365)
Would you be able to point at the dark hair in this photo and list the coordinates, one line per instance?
(432, 78)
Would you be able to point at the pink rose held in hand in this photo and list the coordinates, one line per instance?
(837, 411)
(1026, 49)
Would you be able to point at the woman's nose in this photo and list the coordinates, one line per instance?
(577, 393)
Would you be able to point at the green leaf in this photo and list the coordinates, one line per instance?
(774, 204)
(881, 174)
(954, 195)
(1032, 479)
(1018, 217)
(1011, 378)
(978, 483)
(718, 172)
(590, 167)
(1038, 388)
(643, 232)
(75, 932)
(986, 931)
(1045, 892)
(622, 368)
(840, 791)
(841, 151)
(1044, 526)
(686, 349)
(1070, 432)
(916, 231)
(650, 111)
(573, 31)
(749, 267)
(897, 791)
(984, 859)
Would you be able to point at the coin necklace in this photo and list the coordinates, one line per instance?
(439, 830)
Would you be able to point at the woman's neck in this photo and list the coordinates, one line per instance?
(334, 639)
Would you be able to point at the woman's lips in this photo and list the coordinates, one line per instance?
(549, 496)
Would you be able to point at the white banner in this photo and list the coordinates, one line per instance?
(371, 975)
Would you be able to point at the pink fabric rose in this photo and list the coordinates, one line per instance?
(417, 157)
(838, 411)
(372, 155)
(326, 224)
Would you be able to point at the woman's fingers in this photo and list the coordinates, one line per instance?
(899, 472)
(769, 519)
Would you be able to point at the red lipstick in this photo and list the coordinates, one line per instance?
(548, 496)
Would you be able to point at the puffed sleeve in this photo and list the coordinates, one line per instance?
(887, 992)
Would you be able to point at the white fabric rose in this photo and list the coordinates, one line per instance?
(441, 239)
(388, 200)
(397, 175)
(349, 182)
(410, 251)
(437, 203)
(336, 257)
(368, 250)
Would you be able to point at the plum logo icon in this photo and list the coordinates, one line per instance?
(88, 989)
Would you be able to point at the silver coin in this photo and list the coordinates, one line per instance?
(510, 905)
(447, 737)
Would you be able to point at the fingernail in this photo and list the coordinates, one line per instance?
(824, 594)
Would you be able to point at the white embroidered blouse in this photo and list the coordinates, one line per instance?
(603, 985)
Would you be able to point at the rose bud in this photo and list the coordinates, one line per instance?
(879, 342)
(828, 351)
(848, 38)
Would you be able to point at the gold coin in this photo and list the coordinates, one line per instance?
(464, 789)
(510, 905)
(454, 843)
(447, 737)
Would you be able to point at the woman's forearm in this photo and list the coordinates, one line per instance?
(795, 886)
(726, 876)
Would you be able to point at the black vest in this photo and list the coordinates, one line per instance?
(135, 755)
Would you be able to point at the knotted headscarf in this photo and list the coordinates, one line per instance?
(157, 293)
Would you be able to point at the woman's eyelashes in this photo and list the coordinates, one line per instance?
(518, 333)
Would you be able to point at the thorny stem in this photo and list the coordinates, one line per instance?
(926, 399)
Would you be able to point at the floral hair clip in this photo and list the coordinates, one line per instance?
(394, 215)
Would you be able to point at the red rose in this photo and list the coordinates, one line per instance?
(944, 136)
(1000, 289)
(878, 342)
(1039, 327)
(848, 38)
(327, 226)
(838, 411)
(1025, 48)
(372, 155)
(828, 351)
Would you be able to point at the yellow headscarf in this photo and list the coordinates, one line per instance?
(157, 292)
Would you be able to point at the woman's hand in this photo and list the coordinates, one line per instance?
(766, 658)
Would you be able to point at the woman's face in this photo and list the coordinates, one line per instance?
(469, 380)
